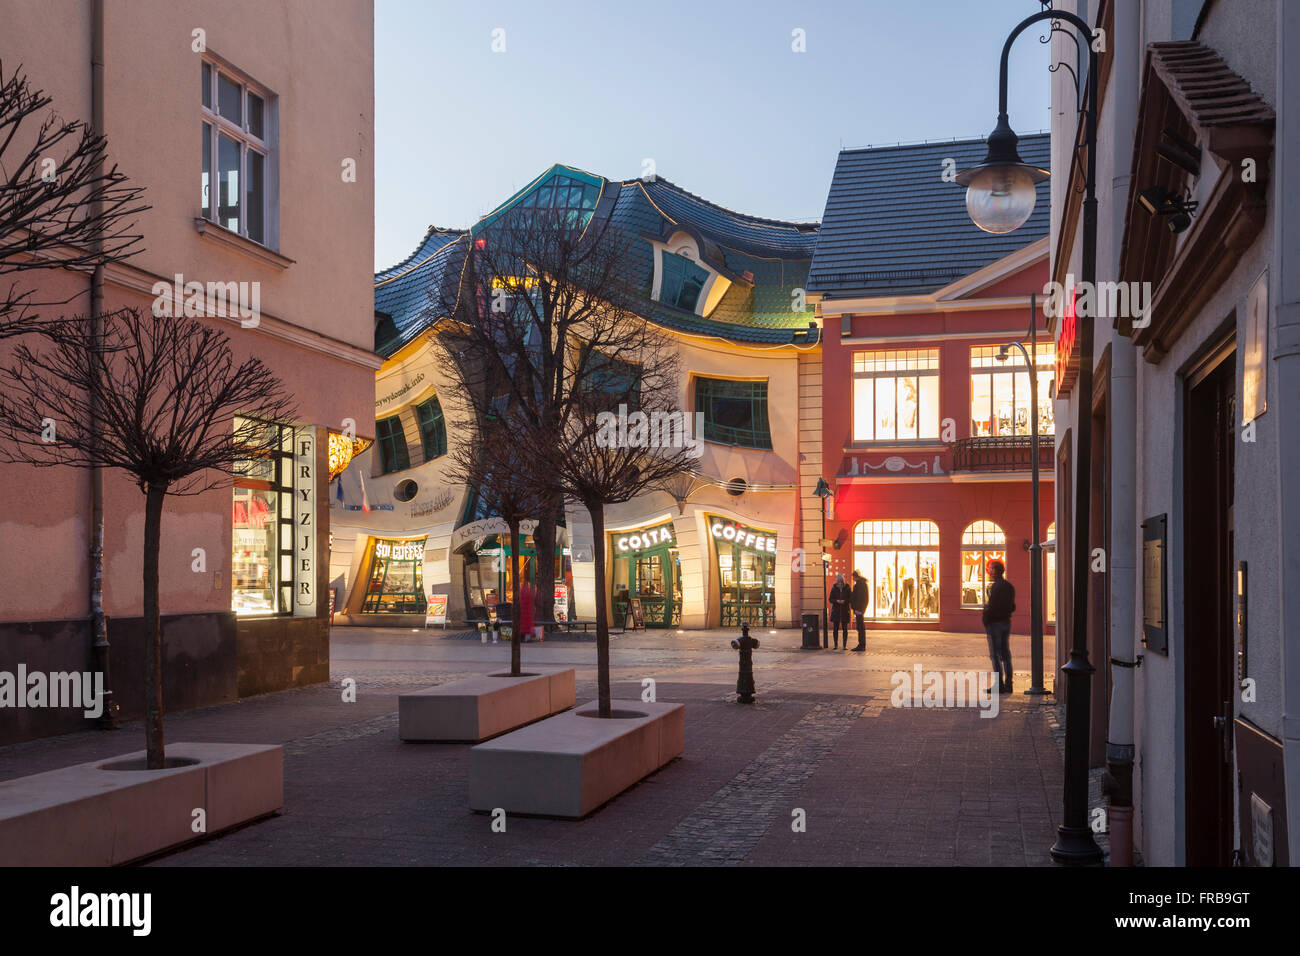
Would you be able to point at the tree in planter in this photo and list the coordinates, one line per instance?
(496, 467)
(520, 303)
(61, 205)
(167, 392)
(614, 446)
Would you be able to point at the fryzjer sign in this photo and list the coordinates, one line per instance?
(304, 523)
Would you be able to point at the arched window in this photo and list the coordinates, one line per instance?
(900, 560)
(981, 542)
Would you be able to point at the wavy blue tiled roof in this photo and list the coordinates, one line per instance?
(775, 254)
(893, 227)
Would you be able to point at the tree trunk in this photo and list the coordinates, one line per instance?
(544, 544)
(153, 693)
(516, 612)
(597, 510)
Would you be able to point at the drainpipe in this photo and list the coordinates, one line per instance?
(98, 621)
(1117, 782)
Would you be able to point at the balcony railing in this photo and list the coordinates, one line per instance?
(1002, 453)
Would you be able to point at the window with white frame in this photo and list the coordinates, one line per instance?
(896, 395)
(1000, 394)
(237, 148)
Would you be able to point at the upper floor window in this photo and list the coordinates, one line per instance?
(1000, 395)
(735, 413)
(237, 147)
(433, 430)
(896, 395)
(392, 445)
(682, 282)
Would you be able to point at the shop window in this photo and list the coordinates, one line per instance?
(647, 566)
(237, 150)
(981, 542)
(392, 445)
(396, 578)
(746, 573)
(681, 282)
(900, 561)
(735, 413)
(433, 429)
(1049, 576)
(1000, 396)
(896, 395)
(261, 567)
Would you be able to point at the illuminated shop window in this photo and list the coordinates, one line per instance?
(896, 395)
(1000, 397)
(900, 561)
(981, 542)
(396, 577)
(1049, 576)
(261, 568)
(746, 573)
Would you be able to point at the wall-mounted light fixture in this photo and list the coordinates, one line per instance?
(1159, 201)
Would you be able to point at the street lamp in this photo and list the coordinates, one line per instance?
(1036, 548)
(998, 201)
(823, 491)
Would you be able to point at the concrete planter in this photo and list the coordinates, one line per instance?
(573, 763)
(108, 812)
(479, 708)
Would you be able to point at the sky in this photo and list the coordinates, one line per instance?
(475, 100)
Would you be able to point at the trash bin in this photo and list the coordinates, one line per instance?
(812, 624)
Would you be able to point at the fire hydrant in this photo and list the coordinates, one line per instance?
(745, 680)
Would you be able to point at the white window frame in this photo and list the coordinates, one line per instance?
(266, 146)
(918, 363)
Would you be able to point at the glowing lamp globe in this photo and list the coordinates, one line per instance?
(1000, 199)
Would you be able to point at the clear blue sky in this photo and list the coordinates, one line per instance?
(710, 90)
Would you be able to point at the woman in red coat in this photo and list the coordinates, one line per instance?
(526, 611)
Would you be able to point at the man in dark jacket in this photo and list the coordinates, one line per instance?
(840, 611)
(997, 624)
(859, 600)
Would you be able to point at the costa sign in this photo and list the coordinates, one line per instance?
(745, 537)
(640, 540)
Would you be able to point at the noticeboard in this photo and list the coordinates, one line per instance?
(436, 611)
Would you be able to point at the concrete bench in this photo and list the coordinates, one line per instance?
(93, 815)
(479, 708)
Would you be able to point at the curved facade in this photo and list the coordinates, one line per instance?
(719, 550)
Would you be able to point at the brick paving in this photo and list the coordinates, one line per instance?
(877, 785)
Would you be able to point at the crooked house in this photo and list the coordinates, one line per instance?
(725, 545)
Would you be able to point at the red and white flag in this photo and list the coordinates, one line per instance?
(365, 502)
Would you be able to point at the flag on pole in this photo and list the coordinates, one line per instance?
(365, 502)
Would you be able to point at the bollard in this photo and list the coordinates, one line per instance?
(745, 680)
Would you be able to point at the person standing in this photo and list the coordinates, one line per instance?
(859, 599)
(839, 599)
(525, 611)
(999, 605)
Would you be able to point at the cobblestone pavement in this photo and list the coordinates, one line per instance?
(876, 784)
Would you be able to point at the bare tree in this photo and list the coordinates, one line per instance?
(496, 467)
(167, 392)
(61, 205)
(521, 299)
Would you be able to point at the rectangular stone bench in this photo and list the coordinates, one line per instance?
(478, 708)
(572, 764)
(86, 815)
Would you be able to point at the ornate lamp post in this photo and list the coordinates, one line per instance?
(823, 491)
(1000, 197)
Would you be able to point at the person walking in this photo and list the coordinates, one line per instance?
(859, 598)
(839, 599)
(999, 605)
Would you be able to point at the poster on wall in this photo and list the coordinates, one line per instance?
(635, 619)
(436, 612)
(561, 603)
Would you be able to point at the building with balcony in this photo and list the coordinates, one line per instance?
(717, 550)
(926, 423)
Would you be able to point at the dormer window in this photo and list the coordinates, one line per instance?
(682, 282)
